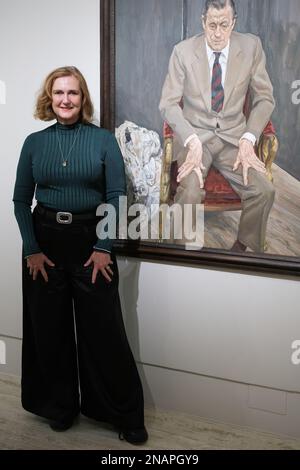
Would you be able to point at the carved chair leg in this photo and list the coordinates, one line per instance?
(165, 179)
(267, 151)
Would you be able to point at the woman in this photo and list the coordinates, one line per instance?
(75, 357)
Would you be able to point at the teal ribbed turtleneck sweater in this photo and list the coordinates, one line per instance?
(94, 174)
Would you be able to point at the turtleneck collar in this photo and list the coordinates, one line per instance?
(68, 127)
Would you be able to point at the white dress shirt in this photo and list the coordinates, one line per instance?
(223, 62)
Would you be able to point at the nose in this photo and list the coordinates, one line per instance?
(66, 98)
(218, 31)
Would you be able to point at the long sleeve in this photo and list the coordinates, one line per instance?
(94, 176)
(23, 195)
(263, 102)
(172, 93)
(115, 184)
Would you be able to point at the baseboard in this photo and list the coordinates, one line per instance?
(221, 400)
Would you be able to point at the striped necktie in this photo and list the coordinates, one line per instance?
(217, 90)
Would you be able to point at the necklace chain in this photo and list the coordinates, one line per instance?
(65, 159)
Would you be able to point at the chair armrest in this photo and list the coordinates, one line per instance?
(267, 149)
(167, 131)
(269, 129)
(165, 179)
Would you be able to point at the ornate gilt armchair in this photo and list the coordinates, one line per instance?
(219, 194)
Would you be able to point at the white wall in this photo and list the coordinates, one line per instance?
(218, 324)
(213, 343)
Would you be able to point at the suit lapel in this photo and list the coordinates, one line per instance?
(201, 69)
(233, 68)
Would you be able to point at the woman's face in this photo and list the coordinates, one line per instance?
(66, 99)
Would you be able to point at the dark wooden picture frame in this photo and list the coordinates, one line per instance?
(162, 252)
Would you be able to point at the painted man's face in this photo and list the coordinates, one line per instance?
(218, 26)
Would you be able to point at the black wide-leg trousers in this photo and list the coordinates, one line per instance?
(76, 356)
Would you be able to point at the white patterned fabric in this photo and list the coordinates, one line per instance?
(142, 154)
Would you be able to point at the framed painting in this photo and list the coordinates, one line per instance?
(137, 39)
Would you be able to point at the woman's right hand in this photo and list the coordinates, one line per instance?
(35, 263)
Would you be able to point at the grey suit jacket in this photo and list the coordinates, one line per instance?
(189, 78)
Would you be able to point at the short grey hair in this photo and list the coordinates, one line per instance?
(219, 5)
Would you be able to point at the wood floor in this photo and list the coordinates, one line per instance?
(283, 232)
(167, 430)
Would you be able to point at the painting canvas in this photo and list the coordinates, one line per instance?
(137, 39)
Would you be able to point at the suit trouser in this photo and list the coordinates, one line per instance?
(257, 197)
(75, 355)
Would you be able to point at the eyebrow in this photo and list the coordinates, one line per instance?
(73, 91)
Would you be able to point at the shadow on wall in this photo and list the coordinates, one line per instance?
(129, 293)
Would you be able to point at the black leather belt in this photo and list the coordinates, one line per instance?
(62, 217)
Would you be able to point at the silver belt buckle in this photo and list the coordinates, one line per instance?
(64, 217)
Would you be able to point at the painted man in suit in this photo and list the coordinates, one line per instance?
(212, 73)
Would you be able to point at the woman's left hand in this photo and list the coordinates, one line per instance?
(102, 263)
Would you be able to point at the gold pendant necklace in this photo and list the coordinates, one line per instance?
(65, 159)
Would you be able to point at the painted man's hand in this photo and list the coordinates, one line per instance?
(193, 161)
(248, 159)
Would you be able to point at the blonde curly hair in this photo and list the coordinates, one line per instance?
(43, 108)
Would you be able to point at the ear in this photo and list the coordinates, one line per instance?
(203, 21)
